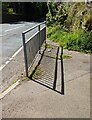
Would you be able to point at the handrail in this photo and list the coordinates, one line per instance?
(25, 42)
(33, 28)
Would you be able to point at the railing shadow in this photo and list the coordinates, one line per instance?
(55, 73)
(38, 63)
(50, 80)
(62, 72)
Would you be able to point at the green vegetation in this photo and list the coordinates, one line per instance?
(64, 56)
(49, 46)
(7, 8)
(67, 56)
(79, 40)
(28, 10)
(70, 25)
(38, 73)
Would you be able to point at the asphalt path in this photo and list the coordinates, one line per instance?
(11, 37)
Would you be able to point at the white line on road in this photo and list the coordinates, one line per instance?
(8, 61)
(9, 89)
(10, 30)
(14, 28)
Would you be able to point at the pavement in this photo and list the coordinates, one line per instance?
(43, 98)
(12, 71)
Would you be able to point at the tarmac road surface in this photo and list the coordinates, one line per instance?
(11, 37)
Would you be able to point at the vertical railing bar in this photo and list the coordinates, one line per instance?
(39, 37)
(25, 54)
(45, 34)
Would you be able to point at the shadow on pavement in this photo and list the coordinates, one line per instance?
(49, 60)
(55, 73)
(62, 72)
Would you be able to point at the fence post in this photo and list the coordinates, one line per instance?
(39, 37)
(25, 54)
(45, 37)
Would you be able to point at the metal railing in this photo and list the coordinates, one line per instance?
(33, 44)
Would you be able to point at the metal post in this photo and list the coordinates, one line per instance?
(25, 54)
(45, 37)
(39, 37)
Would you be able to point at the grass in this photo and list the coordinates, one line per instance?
(38, 73)
(78, 40)
(48, 46)
(64, 56)
(67, 56)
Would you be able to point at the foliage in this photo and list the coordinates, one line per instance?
(71, 26)
(57, 13)
(52, 10)
(29, 10)
(5, 7)
(79, 40)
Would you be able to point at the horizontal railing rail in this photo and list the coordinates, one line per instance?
(28, 30)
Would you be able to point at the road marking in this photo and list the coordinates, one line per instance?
(10, 30)
(9, 89)
(8, 61)
(14, 28)
(17, 52)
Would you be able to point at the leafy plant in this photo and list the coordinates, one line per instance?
(79, 40)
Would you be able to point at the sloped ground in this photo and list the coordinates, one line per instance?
(37, 99)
